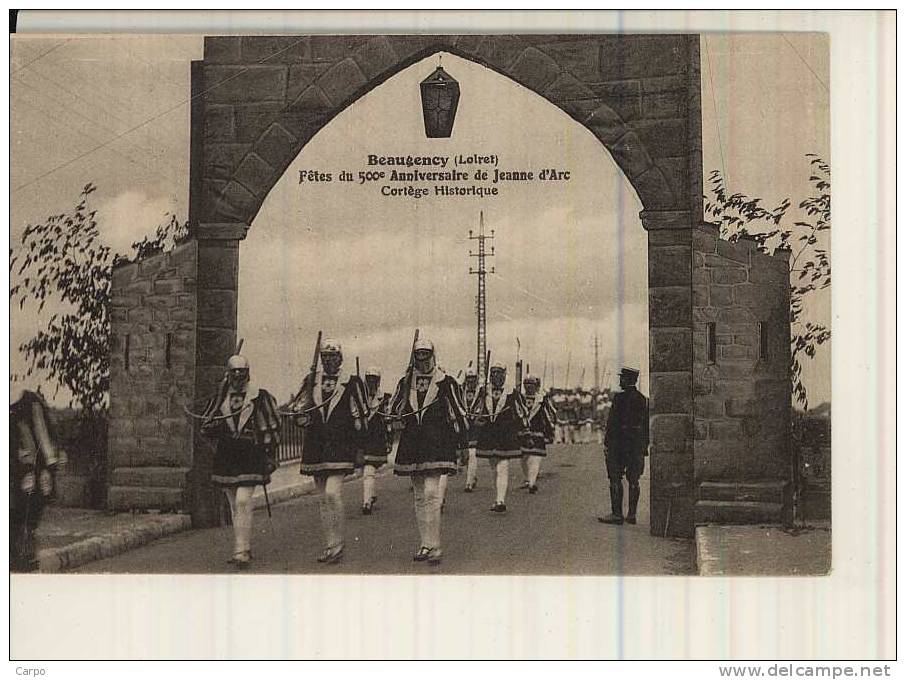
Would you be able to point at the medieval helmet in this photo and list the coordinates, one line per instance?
(331, 346)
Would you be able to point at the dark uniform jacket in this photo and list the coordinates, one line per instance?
(502, 426)
(540, 418)
(627, 424)
(468, 437)
(337, 427)
(379, 439)
(245, 439)
(433, 431)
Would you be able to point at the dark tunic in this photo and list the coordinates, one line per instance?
(500, 434)
(32, 456)
(540, 431)
(379, 438)
(429, 439)
(586, 409)
(332, 439)
(469, 437)
(572, 410)
(626, 437)
(559, 403)
(602, 410)
(245, 441)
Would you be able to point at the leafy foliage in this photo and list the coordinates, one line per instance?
(781, 228)
(64, 260)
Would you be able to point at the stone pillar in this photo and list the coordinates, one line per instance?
(670, 347)
(218, 290)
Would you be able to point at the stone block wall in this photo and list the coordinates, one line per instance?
(741, 372)
(260, 99)
(670, 364)
(152, 377)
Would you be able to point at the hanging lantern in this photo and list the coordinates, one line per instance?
(440, 95)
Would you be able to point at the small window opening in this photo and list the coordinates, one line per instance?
(763, 340)
(712, 343)
(126, 351)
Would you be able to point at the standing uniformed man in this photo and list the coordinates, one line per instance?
(626, 445)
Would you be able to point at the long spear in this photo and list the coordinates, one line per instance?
(396, 408)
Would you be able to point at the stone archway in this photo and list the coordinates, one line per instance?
(258, 100)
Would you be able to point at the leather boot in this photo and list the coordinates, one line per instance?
(634, 492)
(616, 498)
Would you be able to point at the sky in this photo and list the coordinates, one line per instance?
(570, 258)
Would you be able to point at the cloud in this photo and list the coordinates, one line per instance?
(570, 258)
(131, 215)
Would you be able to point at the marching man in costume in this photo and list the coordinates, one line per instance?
(572, 416)
(625, 446)
(244, 423)
(332, 411)
(379, 438)
(428, 411)
(558, 399)
(500, 419)
(586, 416)
(602, 410)
(540, 432)
(470, 393)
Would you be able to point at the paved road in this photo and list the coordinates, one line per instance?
(552, 532)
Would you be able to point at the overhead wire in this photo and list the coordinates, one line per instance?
(40, 56)
(68, 126)
(804, 62)
(152, 118)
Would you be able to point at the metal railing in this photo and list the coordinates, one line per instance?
(291, 435)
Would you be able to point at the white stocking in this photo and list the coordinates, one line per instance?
(534, 467)
(472, 468)
(502, 468)
(368, 482)
(330, 499)
(432, 486)
(442, 488)
(240, 500)
(418, 484)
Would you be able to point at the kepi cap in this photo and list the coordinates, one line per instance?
(629, 372)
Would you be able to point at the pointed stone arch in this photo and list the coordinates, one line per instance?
(259, 100)
(256, 102)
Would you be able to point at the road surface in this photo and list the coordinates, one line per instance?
(552, 532)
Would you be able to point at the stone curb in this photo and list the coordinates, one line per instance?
(707, 555)
(52, 560)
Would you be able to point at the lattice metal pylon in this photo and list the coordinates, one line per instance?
(481, 300)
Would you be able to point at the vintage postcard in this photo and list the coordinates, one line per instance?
(425, 304)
